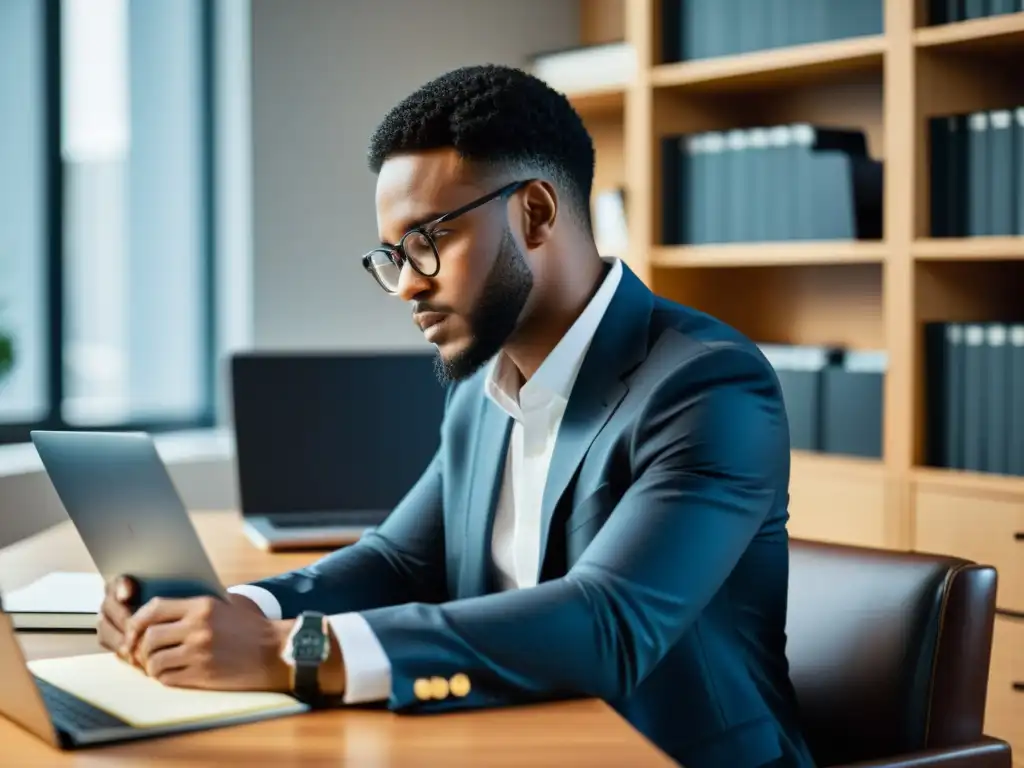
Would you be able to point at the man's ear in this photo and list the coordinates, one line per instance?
(540, 209)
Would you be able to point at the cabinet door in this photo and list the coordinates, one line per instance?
(983, 526)
(1004, 709)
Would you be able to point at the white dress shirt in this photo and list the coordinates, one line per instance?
(536, 408)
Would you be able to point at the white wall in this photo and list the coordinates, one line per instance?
(324, 74)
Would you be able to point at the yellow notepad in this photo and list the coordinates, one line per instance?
(107, 682)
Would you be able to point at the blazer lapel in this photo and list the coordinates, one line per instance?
(484, 479)
(619, 345)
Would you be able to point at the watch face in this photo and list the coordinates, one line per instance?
(308, 645)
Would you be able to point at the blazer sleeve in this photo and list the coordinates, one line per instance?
(400, 561)
(710, 462)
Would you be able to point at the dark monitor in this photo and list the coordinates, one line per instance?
(319, 432)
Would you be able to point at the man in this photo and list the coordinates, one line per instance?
(606, 514)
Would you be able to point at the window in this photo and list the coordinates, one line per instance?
(23, 221)
(106, 285)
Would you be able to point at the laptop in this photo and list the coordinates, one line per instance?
(116, 489)
(66, 721)
(327, 444)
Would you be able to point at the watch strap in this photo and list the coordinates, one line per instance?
(307, 682)
(306, 672)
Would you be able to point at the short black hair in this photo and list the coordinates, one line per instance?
(500, 117)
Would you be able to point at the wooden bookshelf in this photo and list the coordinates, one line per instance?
(866, 294)
(968, 249)
(999, 34)
(768, 254)
(799, 64)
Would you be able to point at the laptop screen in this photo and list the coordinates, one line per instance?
(332, 432)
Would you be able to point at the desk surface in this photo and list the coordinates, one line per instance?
(566, 733)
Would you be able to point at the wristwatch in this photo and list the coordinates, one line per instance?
(307, 647)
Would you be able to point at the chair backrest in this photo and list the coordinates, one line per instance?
(889, 651)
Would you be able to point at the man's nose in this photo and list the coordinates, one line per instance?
(411, 283)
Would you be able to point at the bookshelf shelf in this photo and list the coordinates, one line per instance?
(796, 65)
(969, 248)
(809, 461)
(598, 102)
(991, 34)
(971, 483)
(769, 254)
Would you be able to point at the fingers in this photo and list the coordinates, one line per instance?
(109, 636)
(184, 677)
(125, 590)
(114, 614)
(157, 638)
(156, 611)
(115, 607)
(162, 664)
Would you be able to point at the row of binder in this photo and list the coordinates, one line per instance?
(833, 397)
(780, 183)
(977, 162)
(700, 29)
(974, 375)
(948, 11)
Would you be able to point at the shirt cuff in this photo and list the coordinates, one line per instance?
(263, 598)
(367, 668)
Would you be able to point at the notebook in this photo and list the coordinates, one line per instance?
(118, 688)
(59, 600)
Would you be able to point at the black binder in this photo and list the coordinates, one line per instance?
(997, 378)
(975, 438)
(852, 398)
(944, 394)
(1015, 418)
(800, 373)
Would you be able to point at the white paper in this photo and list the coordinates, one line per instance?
(107, 682)
(58, 592)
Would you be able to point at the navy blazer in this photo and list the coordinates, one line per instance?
(664, 551)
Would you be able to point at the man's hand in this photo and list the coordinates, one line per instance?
(205, 642)
(117, 609)
(114, 615)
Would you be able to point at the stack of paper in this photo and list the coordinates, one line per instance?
(58, 600)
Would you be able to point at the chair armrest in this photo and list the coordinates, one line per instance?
(984, 753)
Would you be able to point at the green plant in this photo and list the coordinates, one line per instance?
(6, 353)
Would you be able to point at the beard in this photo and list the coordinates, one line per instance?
(496, 314)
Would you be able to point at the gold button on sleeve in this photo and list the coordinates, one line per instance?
(459, 685)
(439, 687)
(422, 689)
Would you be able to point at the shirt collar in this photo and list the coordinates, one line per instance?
(557, 374)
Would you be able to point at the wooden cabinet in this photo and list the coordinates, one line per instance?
(860, 294)
(1004, 711)
(982, 519)
(975, 519)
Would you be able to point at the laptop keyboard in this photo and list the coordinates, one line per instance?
(71, 714)
(326, 519)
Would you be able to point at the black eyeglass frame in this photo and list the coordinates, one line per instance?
(397, 255)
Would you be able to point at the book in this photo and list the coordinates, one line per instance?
(608, 65)
(124, 691)
(611, 232)
(58, 600)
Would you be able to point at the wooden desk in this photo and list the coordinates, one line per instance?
(558, 734)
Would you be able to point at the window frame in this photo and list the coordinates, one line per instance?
(54, 217)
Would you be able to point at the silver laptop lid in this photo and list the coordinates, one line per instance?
(120, 497)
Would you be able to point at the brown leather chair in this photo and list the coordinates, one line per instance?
(889, 655)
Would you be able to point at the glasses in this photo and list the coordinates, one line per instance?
(417, 246)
